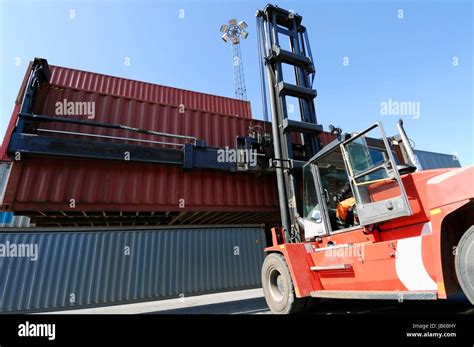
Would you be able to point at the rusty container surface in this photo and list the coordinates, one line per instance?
(78, 192)
(117, 87)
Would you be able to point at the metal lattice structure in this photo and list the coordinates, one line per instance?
(234, 32)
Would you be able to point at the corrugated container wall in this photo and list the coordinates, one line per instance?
(432, 160)
(88, 269)
(43, 188)
(96, 83)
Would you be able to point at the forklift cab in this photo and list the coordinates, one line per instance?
(352, 183)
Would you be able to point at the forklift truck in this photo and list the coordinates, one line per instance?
(408, 235)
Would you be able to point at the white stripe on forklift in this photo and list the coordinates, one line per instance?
(409, 265)
(446, 175)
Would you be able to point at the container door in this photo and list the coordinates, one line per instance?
(374, 178)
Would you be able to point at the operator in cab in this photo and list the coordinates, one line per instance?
(345, 206)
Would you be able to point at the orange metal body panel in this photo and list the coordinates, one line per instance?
(452, 186)
(374, 261)
(299, 263)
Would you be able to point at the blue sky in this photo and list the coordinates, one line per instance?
(408, 59)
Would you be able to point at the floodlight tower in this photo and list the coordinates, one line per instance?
(233, 32)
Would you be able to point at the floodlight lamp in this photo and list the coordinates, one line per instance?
(226, 37)
(242, 24)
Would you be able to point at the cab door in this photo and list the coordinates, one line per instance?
(374, 177)
(315, 219)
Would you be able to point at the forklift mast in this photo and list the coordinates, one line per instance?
(274, 25)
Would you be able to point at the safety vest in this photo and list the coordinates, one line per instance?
(343, 207)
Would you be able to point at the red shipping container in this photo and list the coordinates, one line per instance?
(75, 192)
(66, 191)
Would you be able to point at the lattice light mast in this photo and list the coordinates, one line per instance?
(233, 33)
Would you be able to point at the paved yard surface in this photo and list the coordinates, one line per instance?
(252, 302)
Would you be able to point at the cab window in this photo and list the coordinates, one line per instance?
(337, 192)
(312, 210)
(374, 176)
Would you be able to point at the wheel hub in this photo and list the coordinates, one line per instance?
(276, 285)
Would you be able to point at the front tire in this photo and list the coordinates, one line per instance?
(278, 287)
(464, 263)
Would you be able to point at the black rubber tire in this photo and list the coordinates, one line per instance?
(464, 263)
(278, 287)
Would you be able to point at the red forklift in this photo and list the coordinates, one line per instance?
(360, 220)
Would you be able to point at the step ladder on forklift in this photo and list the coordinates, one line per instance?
(273, 25)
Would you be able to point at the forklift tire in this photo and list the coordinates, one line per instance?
(464, 263)
(278, 287)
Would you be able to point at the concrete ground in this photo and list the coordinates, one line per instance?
(252, 302)
(244, 301)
